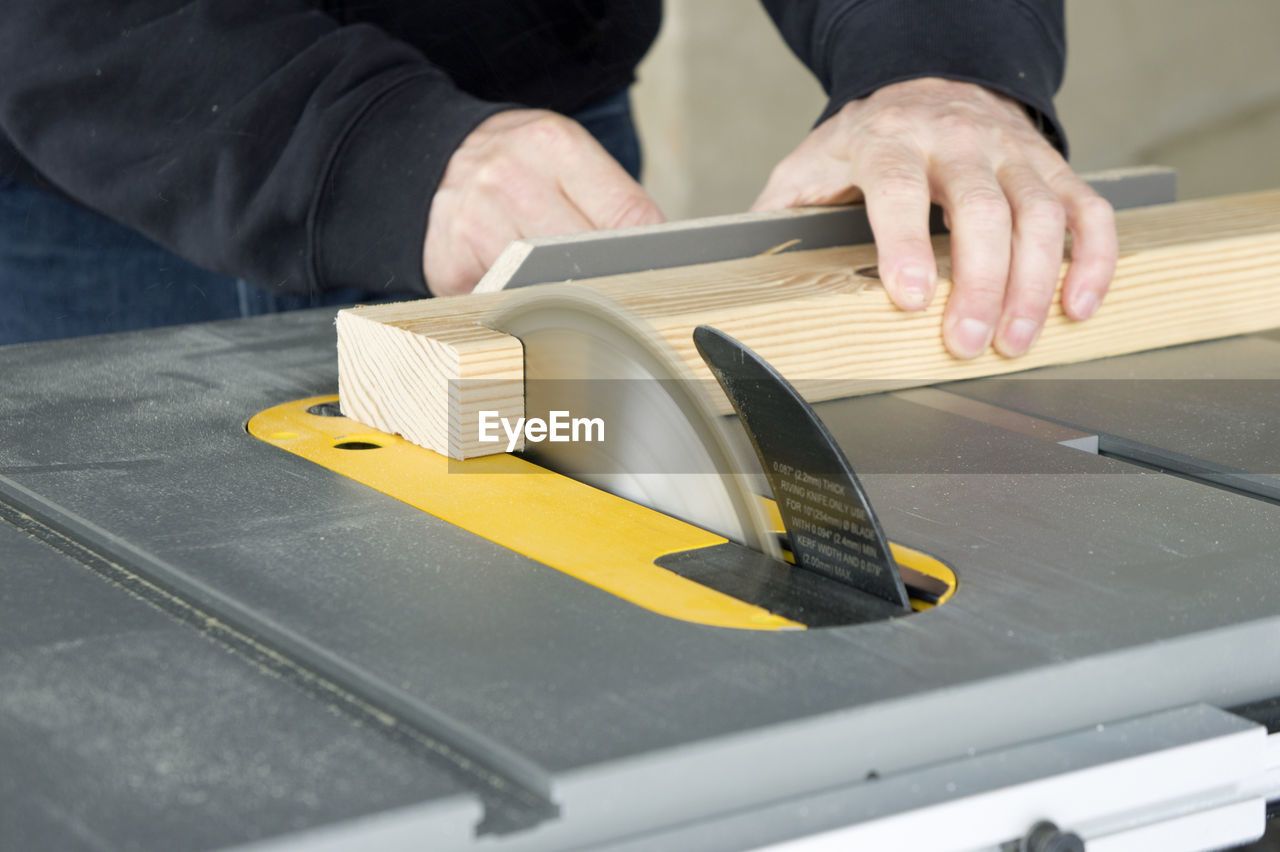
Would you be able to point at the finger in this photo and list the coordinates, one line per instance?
(461, 246)
(489, 225)
(782, 190)
(451, 272)
(896, 186)
(981, 225)
(519, 196)
(1094, 247)
(602, 191)
(622, 206)
(1039, 232)
(807, 177)
(467, 259)
(546, 213)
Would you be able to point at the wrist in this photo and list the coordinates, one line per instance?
(371, 212)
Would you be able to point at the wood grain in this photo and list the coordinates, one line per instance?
(1188, 271)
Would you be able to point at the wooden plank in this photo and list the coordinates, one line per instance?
(426, 377)
(1188, 271)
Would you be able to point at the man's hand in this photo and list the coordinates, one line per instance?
(1007, 194)
(523, 173)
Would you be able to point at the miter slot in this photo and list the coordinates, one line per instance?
(1265, 712)
(1004, 418)
(1137, 453)
(1205, 412)
(1258, 486)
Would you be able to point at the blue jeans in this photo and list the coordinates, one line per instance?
(66, 271)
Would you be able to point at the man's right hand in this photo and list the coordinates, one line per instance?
(523, 173)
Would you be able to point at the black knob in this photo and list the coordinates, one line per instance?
(1044, 836)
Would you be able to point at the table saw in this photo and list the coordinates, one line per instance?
(232, 617)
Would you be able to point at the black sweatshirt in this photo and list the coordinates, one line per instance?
(298, 144)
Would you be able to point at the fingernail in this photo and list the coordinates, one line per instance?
(914, 289)
(1019, 335)
(1085, 305)
(970, 337)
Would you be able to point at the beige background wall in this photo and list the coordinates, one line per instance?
(1193, 84)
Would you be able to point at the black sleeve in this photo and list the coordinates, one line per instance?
(1015, 47)
(258, 138)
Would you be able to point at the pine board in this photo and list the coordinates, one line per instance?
(1189, 271)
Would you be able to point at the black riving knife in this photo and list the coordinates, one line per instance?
(831, 526)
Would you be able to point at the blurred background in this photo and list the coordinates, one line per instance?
(1193, 84)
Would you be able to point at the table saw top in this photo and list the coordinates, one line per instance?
(206, 641)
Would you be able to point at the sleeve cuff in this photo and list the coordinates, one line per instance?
(1009, 50)
(370, 216)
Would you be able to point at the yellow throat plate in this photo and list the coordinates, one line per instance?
(594, 536)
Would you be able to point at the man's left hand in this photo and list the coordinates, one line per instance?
(1008, 195)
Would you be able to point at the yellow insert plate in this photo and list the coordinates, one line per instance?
(603, 540)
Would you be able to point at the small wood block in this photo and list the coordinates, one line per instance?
(1189, 271)
(416, 370)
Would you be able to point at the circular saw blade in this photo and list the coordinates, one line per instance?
(664, 445)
